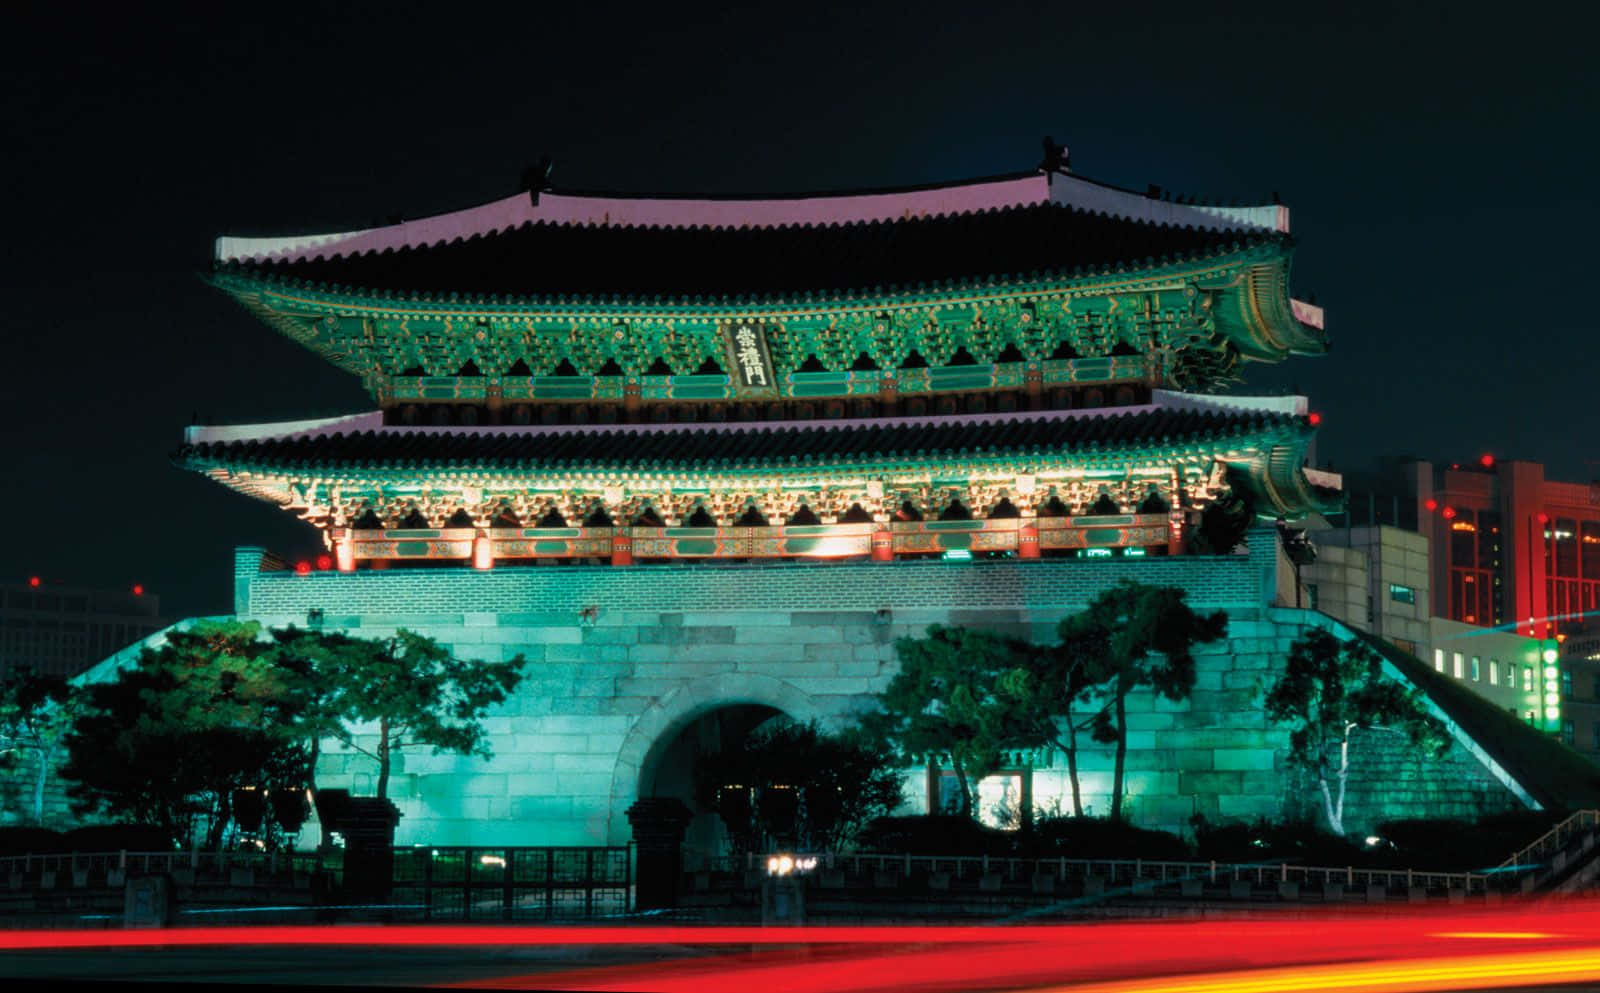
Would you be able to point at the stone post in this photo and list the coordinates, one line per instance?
(367, 825)
(659, 824)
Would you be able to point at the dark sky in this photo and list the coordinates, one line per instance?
(1438, 159)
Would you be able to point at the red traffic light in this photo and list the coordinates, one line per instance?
(302, 568)
(1430, 505)
(1486, 460)
(324, 562)
(1449, 512)
(34, 580)
(138, 589)
(1315, 418)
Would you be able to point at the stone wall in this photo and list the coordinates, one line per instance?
(607, 688)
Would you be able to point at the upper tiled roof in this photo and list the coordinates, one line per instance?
(704, 447)
(544, 259)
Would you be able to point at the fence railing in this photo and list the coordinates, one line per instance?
(430, 882)
(1116, 871)
(513, 883)
(1542, 849)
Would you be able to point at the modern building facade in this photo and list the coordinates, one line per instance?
(1511, 547)
(48, 629)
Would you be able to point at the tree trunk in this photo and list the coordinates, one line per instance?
(39, 777)
(966, 791)
(1069, 748)
(1122, 755)
(383, 758)
(1335, 821)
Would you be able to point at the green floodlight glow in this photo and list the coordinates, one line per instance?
(1094, 553)
(1132, 553)
(957, 555)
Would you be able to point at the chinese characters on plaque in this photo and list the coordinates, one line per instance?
(752, 362)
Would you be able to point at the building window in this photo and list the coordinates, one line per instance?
(1568, 732)
(1311, 595)
(1475, 668)
(1402, 594)
(1494, 673)
(1438, 662)
(1455, 664)
(1566, 684)
(1597, 736)
(1527, 679)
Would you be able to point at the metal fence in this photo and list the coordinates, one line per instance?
(428, 882)
(513, 884)
(1113, 872)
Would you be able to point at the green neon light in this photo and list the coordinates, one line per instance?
(957, 555)
(1094, 553)
(1132, 553)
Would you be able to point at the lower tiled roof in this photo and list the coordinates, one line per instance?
(732, 446)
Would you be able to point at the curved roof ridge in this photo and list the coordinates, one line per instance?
(623, 210)
(821, 209)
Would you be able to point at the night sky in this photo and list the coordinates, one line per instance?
(1439, 164)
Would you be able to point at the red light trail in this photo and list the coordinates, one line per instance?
(1376, 951)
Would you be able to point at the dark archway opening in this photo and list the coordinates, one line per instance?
(670, 770)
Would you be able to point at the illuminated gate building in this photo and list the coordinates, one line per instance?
(703, 460)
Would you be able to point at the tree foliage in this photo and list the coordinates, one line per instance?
(35, 714)
(947, 703)
(170, 739)
(791, 785)
(1333, 695)
(1131, 636)
(380, 696)
(1223, 524)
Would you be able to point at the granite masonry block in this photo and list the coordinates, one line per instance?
(1241, 759)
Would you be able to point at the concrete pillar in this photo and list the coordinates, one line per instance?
(621, 547)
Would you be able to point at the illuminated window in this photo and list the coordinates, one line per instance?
(1494, 673)
(1475, 665)
(1438, 660)
(1566, 684)
(1402, 594)
(1455, 664)
(1527, 679)
(1568, 732)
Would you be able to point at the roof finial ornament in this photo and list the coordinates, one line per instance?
(536, 178)
(1056, 157)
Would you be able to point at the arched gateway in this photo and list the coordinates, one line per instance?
(732, 476)
(648, 744)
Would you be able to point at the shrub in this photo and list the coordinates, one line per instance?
(30, 841)
(117, 838)
(1099, 837)
(933, 834)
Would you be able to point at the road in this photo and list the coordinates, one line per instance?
(1510, 947)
